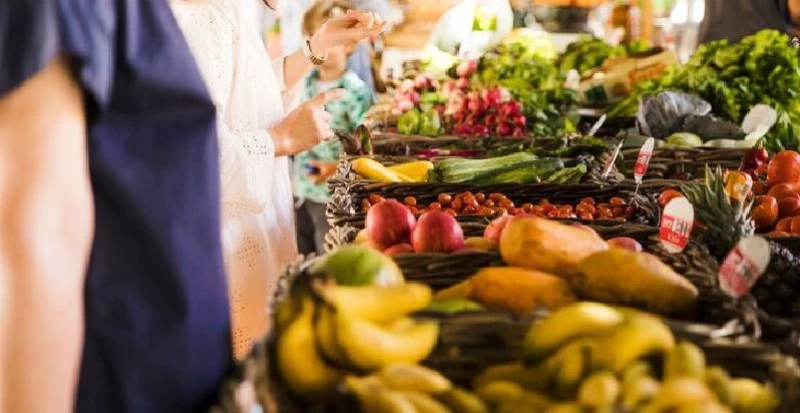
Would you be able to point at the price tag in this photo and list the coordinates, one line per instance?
(643, 160)
(676, 225)
(611, 161)
(743, 266)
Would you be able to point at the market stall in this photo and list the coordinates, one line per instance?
(602, 229)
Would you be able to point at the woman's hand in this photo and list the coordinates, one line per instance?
(326, 170)
(346, 30)
(306, 126)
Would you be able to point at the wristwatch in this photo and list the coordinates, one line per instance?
(309, 54)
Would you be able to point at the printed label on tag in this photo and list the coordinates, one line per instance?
(643, 160)
(676, 225)
(743, 266)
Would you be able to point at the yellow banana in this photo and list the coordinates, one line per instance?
(462, 401)
(300, 365)
(424, 403)
(685, 360)
(369, 346)
(575, 320)
(375, 398)
(570, 365)
(565, 408)
(601, 389)
(532, 378)
(635, 338)
(325, 332)
(679, 392)
(499, 391)
(376, 304)
(639, 391)
(751, 396)
(703, 407)
(413, 377)
(718, 380)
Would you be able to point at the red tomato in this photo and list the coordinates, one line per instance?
(760, 188)
(789, 206)
(589, 201)
(784, 225)
(778, 234)
(785, 189)
(667, 196)
(766, 213)
(794, 226)
(784, 167)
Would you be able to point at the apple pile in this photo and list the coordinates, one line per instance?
(392, 228)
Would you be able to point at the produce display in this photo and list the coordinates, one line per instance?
(497, 205)
(761, 69)
(590, 52)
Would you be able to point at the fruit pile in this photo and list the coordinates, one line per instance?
(392, 227)
(496, 204)
(329, 331)
(592, 357)
(571, 262)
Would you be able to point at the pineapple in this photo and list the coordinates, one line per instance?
(725, 223)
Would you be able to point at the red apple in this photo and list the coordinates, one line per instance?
(390, 223)
(437, 231)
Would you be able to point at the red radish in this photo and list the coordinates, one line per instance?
(490, 120)
(389, 223)
(480, 130)
(625, 242)
(413, 97)
(437, 231)
(492, 96)
(462, 83)
(475, 106)
(511, 108)
(496, 227)
(399, 249)
(519, 120)
(504, 129)
(518, 132)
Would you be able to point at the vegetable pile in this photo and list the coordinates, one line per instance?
(590, 52)
(762, 69)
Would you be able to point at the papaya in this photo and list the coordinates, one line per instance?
(637, 279)
(519, 290)
(548, 246)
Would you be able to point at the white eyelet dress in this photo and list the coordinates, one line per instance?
(258, 233)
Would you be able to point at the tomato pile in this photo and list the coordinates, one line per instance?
(496, 205)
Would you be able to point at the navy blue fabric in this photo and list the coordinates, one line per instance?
(157, 321)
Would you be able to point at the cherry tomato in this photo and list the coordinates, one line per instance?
(469, 209)
(496, 197)
(667, 196)
(617, 202)
(544, 202)
(506, 203)
(587, 216)
(565, 208)
(500, 212)
(410, 201)
(365, 203)
(469, 200)
(457, 204)
(618, 211)
(480, 197)
(451, 211)
(527, 207)
(606, 214)
(435, 206)
(375, 198)
(488, 203)
(765, 213)
(485, 212)
(444, 199)
(602, 206)
(585, 209)
(414, 210)
(546, 208)
(553, 213)
(589, 201)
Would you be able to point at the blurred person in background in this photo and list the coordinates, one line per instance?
(454, 28)
(360, 61)
(315, 166)
(112, 291)
(735, 19)
(257, 131)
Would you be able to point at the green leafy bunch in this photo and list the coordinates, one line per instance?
(761, 69)
(590, 52)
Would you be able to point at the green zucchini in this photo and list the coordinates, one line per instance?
(460, 170)
(527, 174)
(571, 175)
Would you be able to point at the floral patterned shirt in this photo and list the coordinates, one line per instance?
(348, 112)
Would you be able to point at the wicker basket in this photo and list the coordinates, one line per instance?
(684, 163)
(470, 342)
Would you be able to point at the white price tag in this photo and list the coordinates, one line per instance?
(676, 225)
(643, 160)
(743, 266)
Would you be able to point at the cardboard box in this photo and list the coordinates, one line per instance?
(615, 80)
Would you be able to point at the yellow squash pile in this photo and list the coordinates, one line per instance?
(333, 331)
(592, 357)
(416, 171)
(553, 264)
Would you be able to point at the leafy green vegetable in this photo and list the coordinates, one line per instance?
(590, 52)
(430, 125)
(762, 68)
(409, 122)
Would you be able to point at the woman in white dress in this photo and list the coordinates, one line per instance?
(256, 134)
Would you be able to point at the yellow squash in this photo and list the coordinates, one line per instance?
(374, 170)
(417, 170)
(548, 246)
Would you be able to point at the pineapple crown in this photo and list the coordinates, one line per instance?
(724, 221)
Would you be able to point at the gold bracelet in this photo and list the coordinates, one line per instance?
(316, 61)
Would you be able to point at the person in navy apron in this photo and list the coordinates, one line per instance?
(112, 292)
(735, 19)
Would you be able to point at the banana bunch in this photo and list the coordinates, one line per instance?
(409, 388)
(593, 357)
(329, 331)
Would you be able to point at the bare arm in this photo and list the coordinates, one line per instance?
(45, 236)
